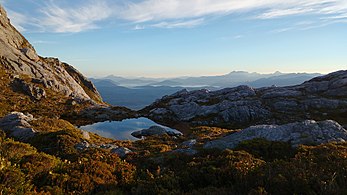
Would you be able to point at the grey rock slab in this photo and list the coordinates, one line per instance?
(17, 125)
(121, 151)
(307, 132)
(155, 130)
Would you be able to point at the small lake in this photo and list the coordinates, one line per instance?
(121, 130)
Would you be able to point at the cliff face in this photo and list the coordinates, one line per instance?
(34, 74)
(322, 98)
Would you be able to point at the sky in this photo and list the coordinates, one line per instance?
(169, 38)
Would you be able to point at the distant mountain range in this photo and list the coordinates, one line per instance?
(135, 97)
(137, 93)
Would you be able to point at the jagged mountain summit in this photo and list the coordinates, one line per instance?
(321, 98)
(34, 74)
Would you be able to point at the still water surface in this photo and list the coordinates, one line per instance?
(121, 130)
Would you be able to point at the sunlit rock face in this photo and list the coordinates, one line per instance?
(19, 58)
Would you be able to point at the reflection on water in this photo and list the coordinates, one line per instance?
(120, 130)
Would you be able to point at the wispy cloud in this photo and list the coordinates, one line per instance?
(18, 20)
(81, 18)
(179, 24)
(139, 27)
(44, 42)
(154, 10)
(55, 16)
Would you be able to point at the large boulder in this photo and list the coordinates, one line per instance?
(17, 125)
(155, 130)
(121, 151)
(308, 132)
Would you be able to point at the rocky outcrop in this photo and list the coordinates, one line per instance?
(121, 151)
(19, 58)
(29, 89)
(99, 113)
(187, 148)
(17, 125)
(308, 132)
(155, 130)
(321, 98)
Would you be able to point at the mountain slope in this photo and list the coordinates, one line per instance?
(31, 82)
(20, 60)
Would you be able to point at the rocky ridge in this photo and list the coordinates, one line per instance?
(321, 98)
(34, 74)
(308, 132)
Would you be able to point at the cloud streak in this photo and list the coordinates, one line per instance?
(88, 15)
(18, 20)
(154, 10)
(82, 18)
(179, 24)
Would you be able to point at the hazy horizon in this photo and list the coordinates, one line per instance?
(175, 38)
(184, 76)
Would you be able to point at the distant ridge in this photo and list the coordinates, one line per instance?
(231, 79)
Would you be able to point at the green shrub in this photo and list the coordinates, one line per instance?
(13, 181)
(267, 150)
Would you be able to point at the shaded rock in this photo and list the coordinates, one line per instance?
(30, 53)
(17, 125)
(121, 151)
(308, 132)
(186, 151)
(108, 146)
(30, 89)
(100, 113)
(189, 143)
(155, 130)
(82, 145)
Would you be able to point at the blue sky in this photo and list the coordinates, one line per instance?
(167, 38)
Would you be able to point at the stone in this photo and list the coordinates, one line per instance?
(82, 145)
(17, 125)
(30, 53)
(155, 130)
(189, 143)
(121, 151)
(101, 113)
(308, 132)
(30, 89)
(85, 135)
(108, 146)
